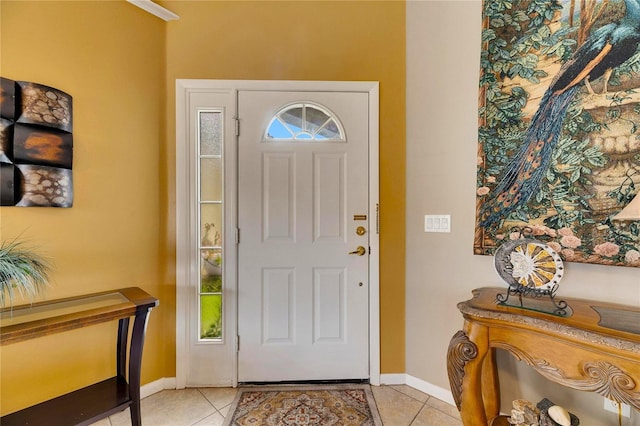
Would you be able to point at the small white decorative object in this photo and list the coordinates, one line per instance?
(554, 415)
(559, 415)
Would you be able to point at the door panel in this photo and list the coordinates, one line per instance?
(329, 305)
(278, 298)
(303, 300)
(278, 179)
(329, 190)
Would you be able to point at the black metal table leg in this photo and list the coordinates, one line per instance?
(135, 363)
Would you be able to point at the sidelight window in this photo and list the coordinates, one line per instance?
(210, 218)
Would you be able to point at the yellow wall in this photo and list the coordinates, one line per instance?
(120, 65)
(300, 40)
(110, 57)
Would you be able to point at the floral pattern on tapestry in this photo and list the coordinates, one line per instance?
(559, 127)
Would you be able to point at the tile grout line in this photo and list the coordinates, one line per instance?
(215, 409)
(417, 400)
(443, 412)
(228, 412)
(420, 410)
(425, 403)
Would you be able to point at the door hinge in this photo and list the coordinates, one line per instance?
(237, 126)
(377, 218)
(237, 235)
(237, 343)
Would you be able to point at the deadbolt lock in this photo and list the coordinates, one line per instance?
(361, 230)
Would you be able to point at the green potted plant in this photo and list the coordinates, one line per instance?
(22, 271)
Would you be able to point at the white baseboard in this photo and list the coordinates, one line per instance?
(393, 379)
(431, 389)
(157, 386)
(419, 384)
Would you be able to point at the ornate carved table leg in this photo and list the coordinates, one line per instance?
(460, 351)
(465, 358)
(490, 385)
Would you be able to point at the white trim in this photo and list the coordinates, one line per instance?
(430, 389)
(186, 234)
(183, 86)
(155, 9)
(393, 379)
(374, 237)
(182, 241)
(157, 386)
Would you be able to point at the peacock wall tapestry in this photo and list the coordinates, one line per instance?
(559, 126)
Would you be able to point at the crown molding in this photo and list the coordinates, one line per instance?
(155, 9)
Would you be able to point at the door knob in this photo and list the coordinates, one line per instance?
(360, 251)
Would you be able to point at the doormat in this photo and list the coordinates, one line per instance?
(347, 405)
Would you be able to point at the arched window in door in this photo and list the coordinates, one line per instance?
(307, 122)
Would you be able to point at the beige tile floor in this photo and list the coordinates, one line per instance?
(399, 405)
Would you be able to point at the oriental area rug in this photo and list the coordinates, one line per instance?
(345, 405)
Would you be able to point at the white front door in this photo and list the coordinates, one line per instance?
(303, 206)
(305, 316)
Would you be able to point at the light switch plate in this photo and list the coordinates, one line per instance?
(437, 223)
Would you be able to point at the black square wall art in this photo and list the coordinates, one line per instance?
(36, 145)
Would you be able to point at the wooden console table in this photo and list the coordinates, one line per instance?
(97, 401)
(596, 348)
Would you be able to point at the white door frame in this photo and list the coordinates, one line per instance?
(184, 235)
